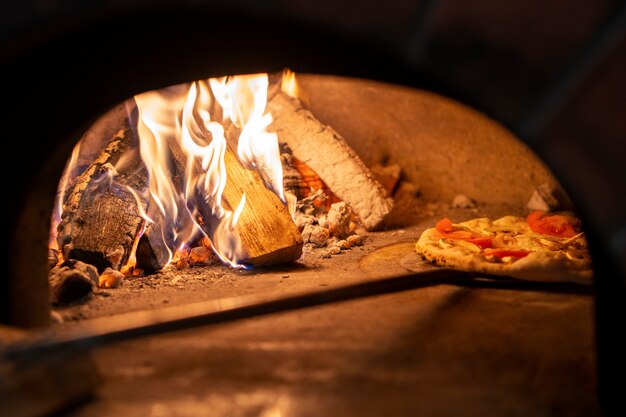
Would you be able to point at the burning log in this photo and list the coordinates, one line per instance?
(153, 250)
(267, 232)
(100, 215)
(265, 228)
(325, 152)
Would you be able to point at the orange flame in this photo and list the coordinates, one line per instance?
(289, 85)
(243, 99)
(57, 210)
(184, 116)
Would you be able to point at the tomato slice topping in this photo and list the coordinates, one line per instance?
(553, 225)
(444, 228)
(501, 253)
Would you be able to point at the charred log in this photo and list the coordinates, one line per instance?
(326, 152)
(100, 215)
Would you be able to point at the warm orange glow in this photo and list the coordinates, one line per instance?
(243, 99)
(192, 118)
(157, 126)
(289, 85)
(196, 124)
(57, 210)
(130, 267)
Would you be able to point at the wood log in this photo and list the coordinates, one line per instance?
(156, 246)
(267, 232)
(265, 229)
(100, 216)
(326, 152)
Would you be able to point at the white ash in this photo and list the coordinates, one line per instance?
(387, 175)
(303, 220)
(339, 220)
(326, 233)
(355, 240)
(341, 244)
(323, 221)
(306, 205)
(463, 201)
(315, 234)
(308, 248)
(332, 250)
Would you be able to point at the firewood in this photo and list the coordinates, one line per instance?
(302, 181)
(71, 281)
(154, 249)
(100, 215)
(265, 228)
(326, 152)
(267, 233)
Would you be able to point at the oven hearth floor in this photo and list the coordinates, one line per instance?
(446, 350)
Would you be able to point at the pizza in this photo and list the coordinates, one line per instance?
(540, 247)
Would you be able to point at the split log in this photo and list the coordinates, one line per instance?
(326, 153)
(100, 215)
(265, 229)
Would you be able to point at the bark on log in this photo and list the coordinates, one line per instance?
(100, 216)
(326, 153)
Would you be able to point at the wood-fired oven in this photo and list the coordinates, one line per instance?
(64, 68)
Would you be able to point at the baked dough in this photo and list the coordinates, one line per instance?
(549, 258)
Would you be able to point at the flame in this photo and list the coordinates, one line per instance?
(158, 125)
(57, 209)
(243, 99)
(192, 118)
(289, 85)
(196, 124)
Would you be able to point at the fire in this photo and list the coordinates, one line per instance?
(289, 85)
(243, 99)
(193, 119)
(192, 137)
(57, 210)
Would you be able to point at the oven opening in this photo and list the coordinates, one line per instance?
(187, 192)
(244, 195)
(231, 243)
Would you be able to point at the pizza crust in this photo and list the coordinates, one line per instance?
(542, 264)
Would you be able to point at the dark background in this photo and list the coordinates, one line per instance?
(551, 70)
